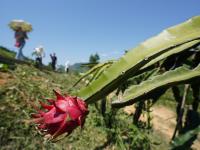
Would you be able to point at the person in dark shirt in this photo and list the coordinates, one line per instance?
(53, 61)
(20, 37)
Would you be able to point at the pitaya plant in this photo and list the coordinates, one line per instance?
(162, 55)
(167, 60)
(63, 115)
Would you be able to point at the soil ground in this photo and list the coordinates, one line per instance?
(163, 121)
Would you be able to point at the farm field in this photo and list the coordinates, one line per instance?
(25, 84)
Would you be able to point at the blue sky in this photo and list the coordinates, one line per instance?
(75, 29)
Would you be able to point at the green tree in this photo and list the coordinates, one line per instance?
(94, 58)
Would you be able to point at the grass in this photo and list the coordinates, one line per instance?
(167, 100)
(26, 83)
(6, 53)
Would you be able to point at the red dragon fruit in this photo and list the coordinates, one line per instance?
(62, 115)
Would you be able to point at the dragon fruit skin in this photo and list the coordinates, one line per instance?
(63, 115)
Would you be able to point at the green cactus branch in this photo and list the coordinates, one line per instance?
(144, 90)
(180, 140)
(176, 50)
(170, 41)
(94, 70)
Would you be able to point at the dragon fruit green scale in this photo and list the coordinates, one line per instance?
(62, 115)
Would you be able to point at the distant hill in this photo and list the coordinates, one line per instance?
(78, 67)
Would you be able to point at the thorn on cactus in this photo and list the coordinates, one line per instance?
(61, 116)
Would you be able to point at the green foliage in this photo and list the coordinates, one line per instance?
(94, 58)
(28, 84)
(170, 41)
(182, 139)
(3, 67)
(6, 52)
(147, 88)
(167, 51)
(138, 139)
(121, 133)
(94, 72)
(114, 129)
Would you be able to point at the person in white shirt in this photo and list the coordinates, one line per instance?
(39, 53)
(67, 66)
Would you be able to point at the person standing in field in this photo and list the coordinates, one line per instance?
(21, 38)
(53, 61)
(39, 53)
(67, 66)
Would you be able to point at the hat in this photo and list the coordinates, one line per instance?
(39, 49)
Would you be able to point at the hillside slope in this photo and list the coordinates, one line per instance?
(27, 84)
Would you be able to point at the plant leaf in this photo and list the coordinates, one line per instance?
(138, 57)
(146, 88)
(93, 70)
(180, 140)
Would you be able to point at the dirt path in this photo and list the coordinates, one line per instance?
(164, 121)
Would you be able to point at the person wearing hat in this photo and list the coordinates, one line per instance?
(39, 53)
(20, 37)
